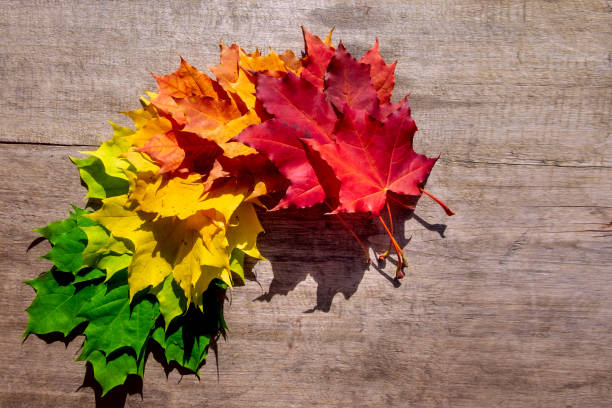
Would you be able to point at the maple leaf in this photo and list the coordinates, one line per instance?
(232, 77)
(67, 250)
(347, 82)
(194, 250)
(184, 151)
(99, 243)
(254, 170)
(105, 251)
(102, 172)
(113, 371)
(57, 307)
(237, 266)
(227, 70)
(114, 322)
(202, 127)
(300, 111)
(171, 298)
(165, 150)
(204, 114)
(88, 275)
(292, 62)
(317, 58)
(185, 82)
(62, 292)
(64, 302)
(187, 339)
(258, 63)
(150, 128)
(166, 197)
(371, 158)
(381, 74)
(363, 145)
(142, 116)
(244, 227)
(184, 197)
(222, 135)
(277, 141)
(365, 85)
(68, 241)
(186, 345)
(235, 71)
(55, 230)
(112, 263)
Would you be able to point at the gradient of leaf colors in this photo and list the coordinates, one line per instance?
(175, 197)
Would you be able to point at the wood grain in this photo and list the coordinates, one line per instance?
(508, 303)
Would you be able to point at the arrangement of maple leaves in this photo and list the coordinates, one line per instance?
(175, 197)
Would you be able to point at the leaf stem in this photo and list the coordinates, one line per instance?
(401, 260)
(447, 210)
(384, 255)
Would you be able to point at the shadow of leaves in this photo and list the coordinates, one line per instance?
(306, 242)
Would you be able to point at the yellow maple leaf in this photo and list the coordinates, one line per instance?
(194, 250)
(140, 161)
(182, 197)
(143, 115)
(186, 224)
(149, 128)
(255, 62)
(223, 134)
(243, 87)
(243, 230)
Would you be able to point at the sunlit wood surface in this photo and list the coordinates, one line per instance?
(506, 304)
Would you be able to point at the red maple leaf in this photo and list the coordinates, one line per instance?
(372, 158)
(381, 74)
(347, 82)
(344, 142)
(300, 112)
(321, 60)
(317, 58)
(368, 156)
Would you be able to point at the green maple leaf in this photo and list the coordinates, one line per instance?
(56, 307)
(87, 275)
(186, 343)
(112, 263)
(100, 243)
(171, 298)
(187, 339)
(113, 323)
(99, 184)
(54, 230)
(68, 240)
(102, 172)
(105, 251)
(112, 372)
(66, 253)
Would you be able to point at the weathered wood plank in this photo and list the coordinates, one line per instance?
(506, 304)
(516, 309)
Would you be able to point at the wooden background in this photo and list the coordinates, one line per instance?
(506, 304)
